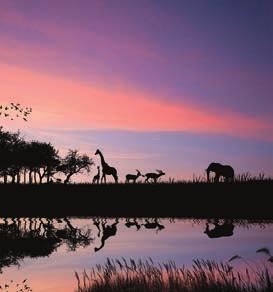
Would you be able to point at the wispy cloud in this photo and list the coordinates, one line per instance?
(64, 103)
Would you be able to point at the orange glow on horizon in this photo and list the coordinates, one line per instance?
(71, 104)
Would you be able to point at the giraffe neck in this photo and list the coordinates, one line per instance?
(103, 163)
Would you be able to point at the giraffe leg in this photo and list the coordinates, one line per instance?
(115, 178)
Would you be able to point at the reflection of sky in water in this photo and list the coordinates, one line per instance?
(181, 241)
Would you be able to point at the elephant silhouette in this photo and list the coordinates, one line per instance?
(220, 230)
(226, 171)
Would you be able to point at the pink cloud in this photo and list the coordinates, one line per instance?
(65, 103)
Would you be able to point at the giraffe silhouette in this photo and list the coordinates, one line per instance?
(96, 222)
(96, 178)
(106, 169)
(107, 231)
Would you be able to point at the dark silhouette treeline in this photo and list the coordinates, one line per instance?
(37, 237)
(36, 162)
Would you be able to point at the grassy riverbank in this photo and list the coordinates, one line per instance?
(146, 276)
(203, 200)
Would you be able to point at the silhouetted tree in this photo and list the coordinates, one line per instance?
(43, 160)
(74, 163)
(5, 138)
(37, 160)
(16, 159)
(19, 158)
(11, 148)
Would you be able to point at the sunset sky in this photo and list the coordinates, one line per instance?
(172, 85)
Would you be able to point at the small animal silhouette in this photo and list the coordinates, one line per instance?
(153, 225)
(154, 176)
(133, 177)
(96, 178)
(226, 171)
(130, 223)
(106, 169)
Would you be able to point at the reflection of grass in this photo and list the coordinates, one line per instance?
(116, 276)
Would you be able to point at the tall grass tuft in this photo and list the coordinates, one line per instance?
(247, 177)
(146, 276)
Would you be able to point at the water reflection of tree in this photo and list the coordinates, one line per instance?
(37, 237)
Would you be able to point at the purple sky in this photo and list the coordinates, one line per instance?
(155, 84)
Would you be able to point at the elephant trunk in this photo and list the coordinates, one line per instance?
(208, 173)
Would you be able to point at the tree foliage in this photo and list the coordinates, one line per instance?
(74, 163)
(35, 161)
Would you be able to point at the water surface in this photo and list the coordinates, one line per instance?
(46, 252)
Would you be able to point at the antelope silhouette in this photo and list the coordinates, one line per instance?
(226, 171)
(154, 176)
(132, 177)
(96, 178)
(153, 225)
(130, 223)
(106, 169)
